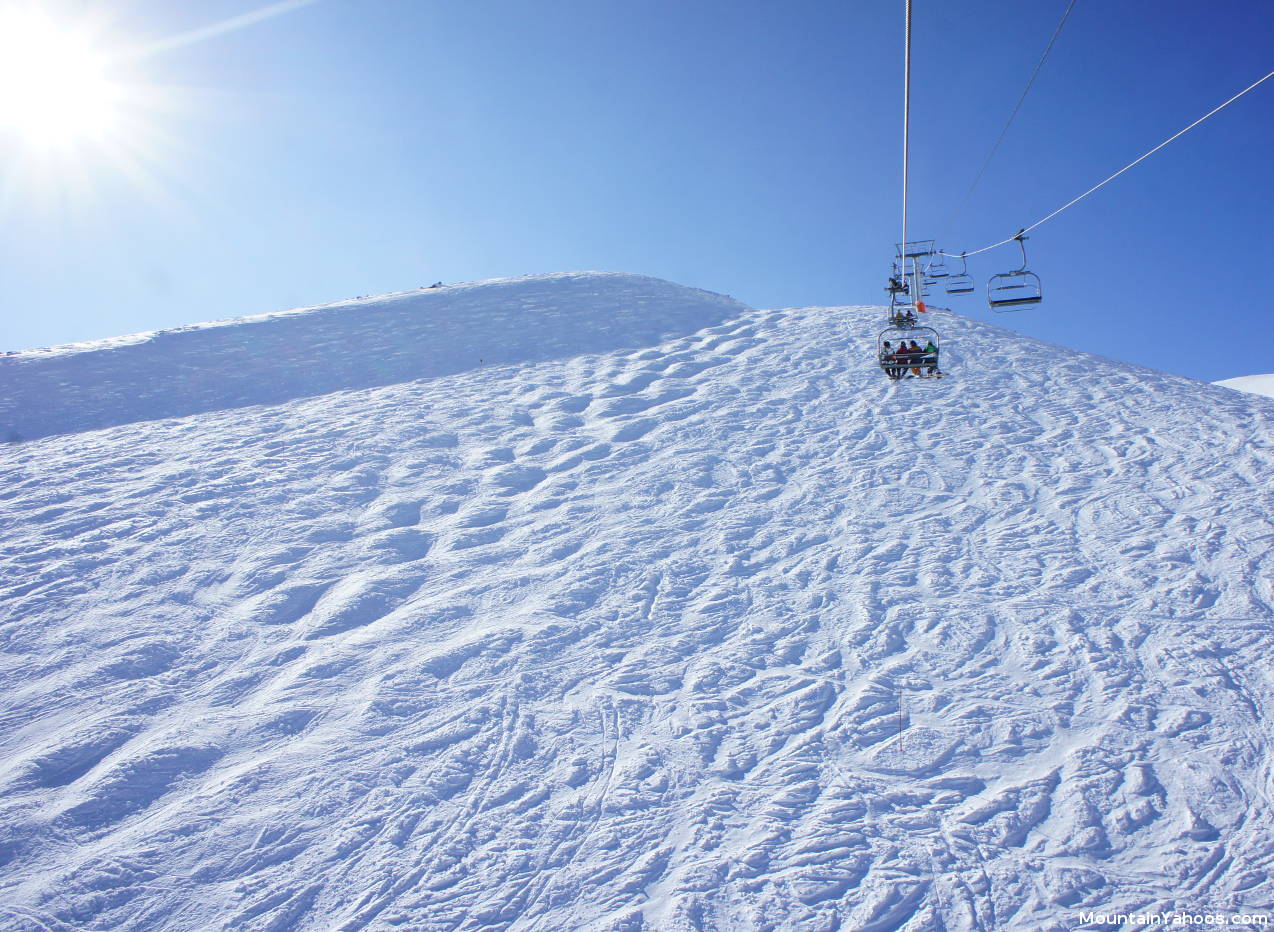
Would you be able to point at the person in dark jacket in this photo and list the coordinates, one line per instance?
(889, 360)
(914, 356)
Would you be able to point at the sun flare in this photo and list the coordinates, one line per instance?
(55, 87)
(81, 111)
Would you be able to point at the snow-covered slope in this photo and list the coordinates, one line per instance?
(720, 632)
(1256, 384)
(354, 344)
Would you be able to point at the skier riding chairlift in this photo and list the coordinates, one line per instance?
(907, 354)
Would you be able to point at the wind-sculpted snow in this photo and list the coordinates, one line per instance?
(726, 632)
(355, 344)
(1256, 384)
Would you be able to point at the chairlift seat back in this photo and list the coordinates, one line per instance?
(898, 335)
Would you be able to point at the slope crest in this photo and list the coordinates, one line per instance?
(273, 358)
(1252, 384)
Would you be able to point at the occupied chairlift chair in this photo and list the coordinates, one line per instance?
(902, 313)
(904, 325)
(1016, 290)
(922, 365)
(897, 284)
(900, 288)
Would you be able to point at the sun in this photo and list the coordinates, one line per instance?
(55, 86)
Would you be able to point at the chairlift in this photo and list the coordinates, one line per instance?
(900, 286)
(1010, 291)
(937, 267)
(898, 362)
(960, 282)
(902, 313)
(897, 283)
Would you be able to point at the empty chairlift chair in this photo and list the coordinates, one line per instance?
(1016, 290)
(960, 282)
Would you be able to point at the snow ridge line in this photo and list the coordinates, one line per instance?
(274, 358)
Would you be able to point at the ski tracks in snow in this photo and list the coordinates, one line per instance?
(726, 633)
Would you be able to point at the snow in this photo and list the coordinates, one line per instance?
(353, 344)
(618, 605)
(1256, 384)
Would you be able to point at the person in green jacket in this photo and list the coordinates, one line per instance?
(931, 357)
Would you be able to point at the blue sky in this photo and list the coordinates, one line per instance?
(353, 147)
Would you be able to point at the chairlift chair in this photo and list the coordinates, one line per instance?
(919, 284)
(1011, 291)
(960, 282)
(902, 313)
(896, 366)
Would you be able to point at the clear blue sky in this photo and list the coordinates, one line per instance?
(353, 147)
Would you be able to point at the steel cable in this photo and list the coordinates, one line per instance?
(1018, 106)
(1074, 201)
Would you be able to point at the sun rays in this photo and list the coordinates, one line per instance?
(55, 90)
(79, 105)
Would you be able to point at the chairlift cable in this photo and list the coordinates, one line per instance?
(1073, 202)
(1018, 106)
